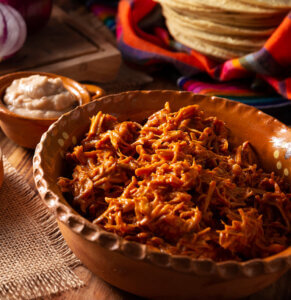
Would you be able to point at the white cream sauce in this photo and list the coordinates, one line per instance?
(39, 97)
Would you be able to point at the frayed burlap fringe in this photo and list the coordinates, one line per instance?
(34, 258)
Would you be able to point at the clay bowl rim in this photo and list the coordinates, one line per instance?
(22, 74)
(1, 168)
(66, 214)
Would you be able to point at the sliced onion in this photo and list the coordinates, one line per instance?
(22, 27)
(13, 33)
(36, 13)
(3, 28)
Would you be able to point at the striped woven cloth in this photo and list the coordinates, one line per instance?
(235, 79)
(105, 10)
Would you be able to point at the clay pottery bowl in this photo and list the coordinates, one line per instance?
(1, 168)
(132, 266)
(26, 131)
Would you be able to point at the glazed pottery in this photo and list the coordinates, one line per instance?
(1, 168)
(132, 266)
(26, 131)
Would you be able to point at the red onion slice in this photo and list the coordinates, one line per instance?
(22, 29)
(12, 33)
(36, 13)
(3, 30)
(15, 30)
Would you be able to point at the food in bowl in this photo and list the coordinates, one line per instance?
(26, 131)
(39, 96)
(176, 184)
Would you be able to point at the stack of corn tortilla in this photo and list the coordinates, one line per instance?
(223, 29)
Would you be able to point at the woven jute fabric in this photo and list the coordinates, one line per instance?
(34, 258)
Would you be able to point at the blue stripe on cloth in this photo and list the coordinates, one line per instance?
(282, 87)
(261, 102)
(261, 62)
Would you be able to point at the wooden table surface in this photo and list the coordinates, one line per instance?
(95, 288)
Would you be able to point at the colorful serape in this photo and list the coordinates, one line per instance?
(105, 10)
(271, 64)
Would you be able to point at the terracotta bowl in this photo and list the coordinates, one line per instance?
(1, 168)
(132, 266)
(26, 131)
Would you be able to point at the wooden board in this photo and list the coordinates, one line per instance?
(68, 45)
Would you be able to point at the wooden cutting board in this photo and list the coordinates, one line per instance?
(68, 45)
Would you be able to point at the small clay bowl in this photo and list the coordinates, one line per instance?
(26, 131)
(1, 168)
(132, 266)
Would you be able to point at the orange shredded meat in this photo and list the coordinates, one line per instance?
(176, 185)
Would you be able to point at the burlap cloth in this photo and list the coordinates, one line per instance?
(34, 259)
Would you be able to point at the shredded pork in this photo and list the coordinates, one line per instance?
(175, 184)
